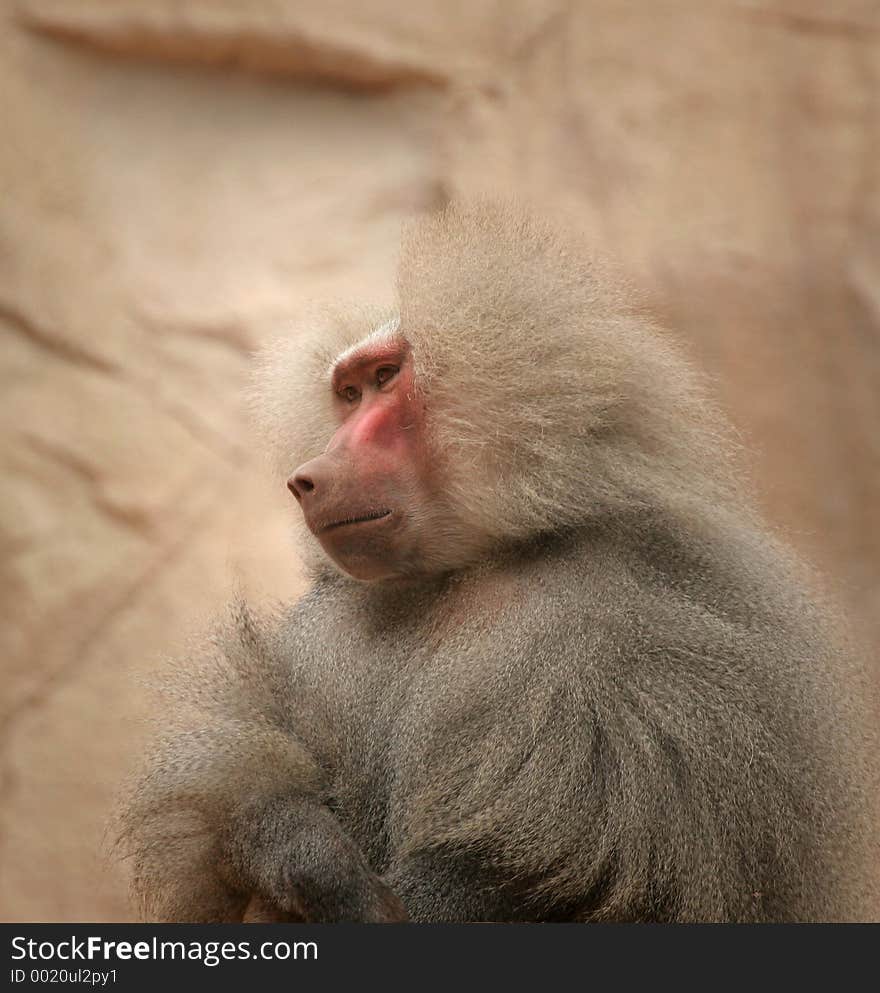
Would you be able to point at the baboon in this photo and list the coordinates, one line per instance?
(551, 665)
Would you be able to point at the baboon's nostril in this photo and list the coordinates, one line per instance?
(300, 485)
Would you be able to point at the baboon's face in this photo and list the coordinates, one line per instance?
(367, 498)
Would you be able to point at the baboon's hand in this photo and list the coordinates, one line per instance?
(294, 856)
(259, 911)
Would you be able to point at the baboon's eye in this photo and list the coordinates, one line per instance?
(350, 394)
(384, 373)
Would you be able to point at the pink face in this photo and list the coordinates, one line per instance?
(360, 498)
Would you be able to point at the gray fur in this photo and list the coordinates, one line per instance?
(611, 694)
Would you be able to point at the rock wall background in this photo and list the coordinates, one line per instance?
(178, 176)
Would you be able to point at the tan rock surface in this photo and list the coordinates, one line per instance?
(179, 178)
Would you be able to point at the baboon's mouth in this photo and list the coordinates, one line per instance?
(376, 515)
